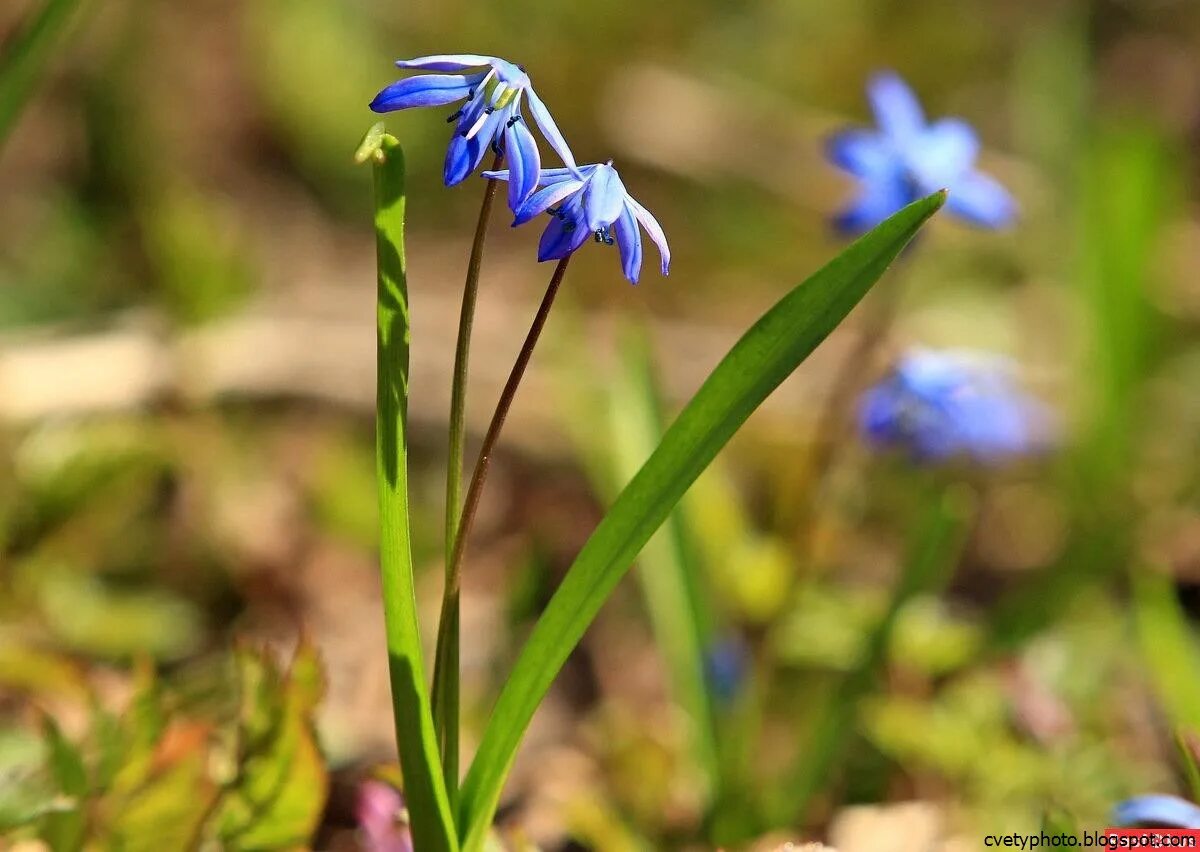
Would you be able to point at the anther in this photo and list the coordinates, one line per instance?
(568, 227)
(513, 120)
(454, 117)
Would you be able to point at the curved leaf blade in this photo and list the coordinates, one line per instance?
(766, 355)
(424, 788)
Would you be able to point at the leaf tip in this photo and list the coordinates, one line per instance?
(375, 144)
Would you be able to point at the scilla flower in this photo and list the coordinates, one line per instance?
(907, 158)
(491, 117)
(938, 405)
(590, 202)
(1157, 810)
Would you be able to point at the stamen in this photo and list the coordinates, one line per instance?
(568, 227)
(513, 120)
(455, 117)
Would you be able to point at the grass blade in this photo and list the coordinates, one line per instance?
(23, 61)
(935, 550)
(765, 356)
(424, 787)
(1168, 647)
(667, 566)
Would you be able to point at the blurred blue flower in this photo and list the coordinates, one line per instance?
(907, 158)
(494, 90)
(726, 663)
(937, 405)
(1157, 810)
(591, 202)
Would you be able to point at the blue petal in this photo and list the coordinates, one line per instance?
(524, 163)
(497, 174)
(423, 90)
(861, 152)
(877, 200)
(550, 131)
(545, 198)
(447, 62)
(897, 110)
(603, 198)
(948, 147)
(464, 155)
(653, 230)
(549, 176)
(564, 234)
(981, 200)
(629, 241)
(1159, 810)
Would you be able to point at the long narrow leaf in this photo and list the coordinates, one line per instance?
(1168, 646)
(428, 803)
(24, 60)
(765, 356)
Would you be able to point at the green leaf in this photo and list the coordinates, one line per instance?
(64, 829)
(168, 810)
(424, 787)
(766, 355)
(281, 786)
(1168, 647)
(25, 58)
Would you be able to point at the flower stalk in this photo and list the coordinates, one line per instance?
(445, 671)
(445, 684)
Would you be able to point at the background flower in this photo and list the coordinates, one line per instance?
(907, 158)
(940, 404)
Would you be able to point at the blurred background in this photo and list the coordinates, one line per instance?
(186, 393)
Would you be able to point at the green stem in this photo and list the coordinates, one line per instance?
(445, 679)
(424, 788)
(829, 437)
(934, 555)
(445, 666)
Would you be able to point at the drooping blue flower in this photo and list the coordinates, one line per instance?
(906, 158)
(937, 405)
(1157, 810)
(591, 202)
(494, 90)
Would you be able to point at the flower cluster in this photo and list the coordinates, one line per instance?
(582, 201)
(937, 405)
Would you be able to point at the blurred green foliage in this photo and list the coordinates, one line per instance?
(246, 774)
(175, 164)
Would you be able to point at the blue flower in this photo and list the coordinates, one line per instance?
(591, 202)
(939, 405)
(1157, 810)
(494, 90)
(907, 158)
(727, 662)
